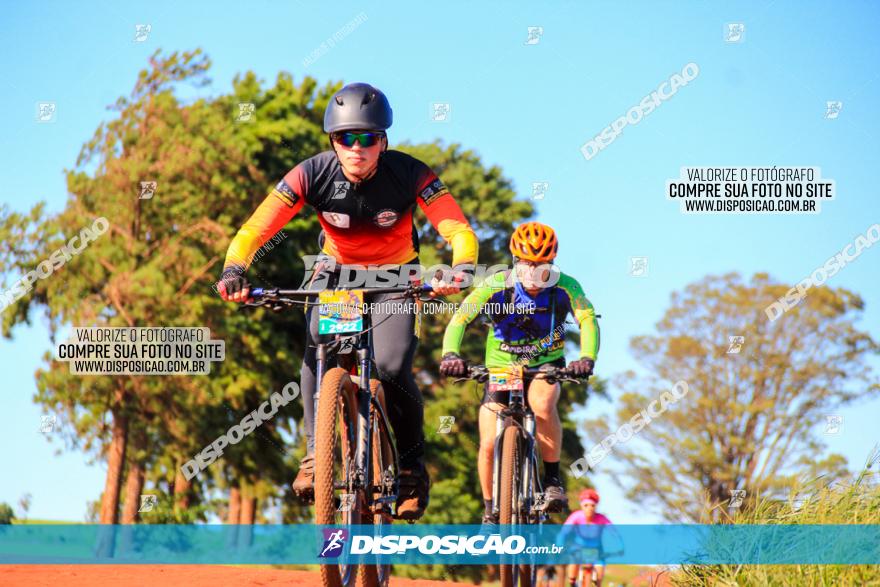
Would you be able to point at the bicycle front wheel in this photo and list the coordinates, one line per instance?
(335, 446)
(511, 506)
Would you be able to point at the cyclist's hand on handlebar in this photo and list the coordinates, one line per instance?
(582, 367)
(233, 286)
(453, 365)
(445, 288)
(448, 283)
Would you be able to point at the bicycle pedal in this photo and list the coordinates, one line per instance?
(541, 503)
(408, 520)
(382, 505)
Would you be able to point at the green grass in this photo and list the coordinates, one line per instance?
(32, 521)
(817, 502)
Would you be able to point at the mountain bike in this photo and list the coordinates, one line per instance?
(517, 495)
(587, 574)
(356, 460)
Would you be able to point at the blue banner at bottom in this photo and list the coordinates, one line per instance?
(440, 544)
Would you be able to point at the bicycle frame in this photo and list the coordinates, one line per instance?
(519, 413)
(585, 572)
(363, 464)
(366, 401)
(374, 492)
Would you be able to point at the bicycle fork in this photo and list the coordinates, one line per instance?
(496, 464)
(362, 460)
(526, 460)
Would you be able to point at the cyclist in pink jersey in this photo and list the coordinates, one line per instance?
(587, 526)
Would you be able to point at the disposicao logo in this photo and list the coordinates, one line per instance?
(449, 544)
(334, 542)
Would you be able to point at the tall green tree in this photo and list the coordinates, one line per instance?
(752, 417)
(154, 267)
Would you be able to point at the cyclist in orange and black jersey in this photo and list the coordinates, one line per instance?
(365, 196)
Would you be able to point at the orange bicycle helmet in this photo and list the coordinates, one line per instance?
(534, 241)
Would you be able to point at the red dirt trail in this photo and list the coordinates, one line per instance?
(170, 576)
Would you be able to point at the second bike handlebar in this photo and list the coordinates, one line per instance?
(549, 372)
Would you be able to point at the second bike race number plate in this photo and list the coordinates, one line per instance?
(340, 311)
(506, 378)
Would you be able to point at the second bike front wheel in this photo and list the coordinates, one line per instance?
(511, 506)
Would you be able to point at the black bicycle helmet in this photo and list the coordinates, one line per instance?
(357, 107)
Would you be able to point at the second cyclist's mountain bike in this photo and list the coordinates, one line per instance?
(517, 495)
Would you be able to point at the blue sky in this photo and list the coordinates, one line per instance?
(525, 107)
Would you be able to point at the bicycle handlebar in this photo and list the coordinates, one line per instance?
(260, 296)
(261, 292)
(549, 372)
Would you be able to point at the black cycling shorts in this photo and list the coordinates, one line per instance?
(503, 397)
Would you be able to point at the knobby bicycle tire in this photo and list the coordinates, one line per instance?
(336, 404)
(511, 477)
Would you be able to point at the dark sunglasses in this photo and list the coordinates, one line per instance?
(366, 139)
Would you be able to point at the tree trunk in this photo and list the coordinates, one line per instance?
(234, 516)
(181, 491)
(134, 484)
(115, 461)
(248, 509)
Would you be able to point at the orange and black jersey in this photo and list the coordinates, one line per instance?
(366, 223)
